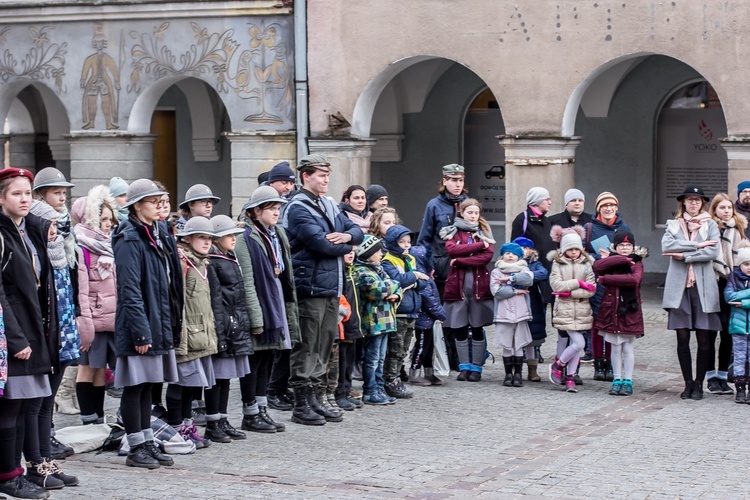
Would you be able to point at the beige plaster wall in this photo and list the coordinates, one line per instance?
(532, 73)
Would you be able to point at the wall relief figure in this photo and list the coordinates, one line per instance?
(100, 77)
(41, 61)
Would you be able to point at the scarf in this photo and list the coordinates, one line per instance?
(690, 226)
(599, 218)
(511, 267)
(62, 220)
(271, 300)
(97, 243)
(460, 224)
(744, 210)
(56, 253)
(3, 354)
(730, 239)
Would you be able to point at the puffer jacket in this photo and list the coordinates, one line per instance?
(378, 314)
(469, 255)
(439, 213)
(608, 269)
(198, 323)
(573, 312)
(229, 305)
(29, 312)
(511, 307)
(143, 314)
(738, 290)
(538, 323)
(401, 269)
(318, 263)
(432, 310)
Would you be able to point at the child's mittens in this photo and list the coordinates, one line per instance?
(586, 286)
(561, 294)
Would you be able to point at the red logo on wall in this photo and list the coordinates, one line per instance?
(705, 131)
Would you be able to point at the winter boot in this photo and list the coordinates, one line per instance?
(302, 413)
(229, 430)
(429, 374)
(533, 376)
(41, 475)
(739, 384)
(508, 365)
(320, 405)
(570, 384)
(697, 393)
(138, 456)
(599, 372)
(475, 373)
(65, 399)
(216, 433)
(517, 371)
(156, 454)
(416, 378)
(609, 374)
(616, 387)
(627, 388)
(688, 390)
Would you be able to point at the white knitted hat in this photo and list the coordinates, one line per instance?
(743, 255)
(569, 241)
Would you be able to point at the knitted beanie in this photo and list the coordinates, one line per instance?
(573, 194)
(118, 187)
(369, 246)
(536, 195)
(622, 236)
(742, 186)
(571, 241)
(375, 192)
(605, 197)
(743, 255)
(513, 248)
(281, 172)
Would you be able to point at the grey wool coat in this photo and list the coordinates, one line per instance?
(675, 240)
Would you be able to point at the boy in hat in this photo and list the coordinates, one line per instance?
(737, 295)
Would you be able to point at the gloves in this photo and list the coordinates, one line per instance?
(561, 294)
(586, 286)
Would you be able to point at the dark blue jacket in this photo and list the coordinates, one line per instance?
(538, 323)
(431, 309)
(317, 263)
(438, 213)
(143, 313)
(400, 267)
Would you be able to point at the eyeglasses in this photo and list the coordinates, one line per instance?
(745, 191)
(206, 202)
(157, 203)
(608, 206)
(693, 200)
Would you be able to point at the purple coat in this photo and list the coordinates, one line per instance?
(471, 256)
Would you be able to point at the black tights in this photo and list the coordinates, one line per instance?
(38, 419)
(135, 408)
(11, 433)
(255, 383)
(704, 338)
(179, 403)
(461, 334)
(217, 398)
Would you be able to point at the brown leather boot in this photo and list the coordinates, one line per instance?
(533, 376)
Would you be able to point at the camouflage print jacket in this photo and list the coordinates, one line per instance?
(378, 314)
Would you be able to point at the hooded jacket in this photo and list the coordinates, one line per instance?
(378, 314)
(97, 281)
(318, 266)
(198, 323)
(29, 312)
(614, 316)
(432, 310)
(738, 290)
(573, 312)
(400, 266)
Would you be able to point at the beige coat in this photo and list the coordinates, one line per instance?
(574, 312)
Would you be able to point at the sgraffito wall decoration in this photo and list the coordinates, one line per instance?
(247, 61)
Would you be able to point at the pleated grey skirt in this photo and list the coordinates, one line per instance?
(197, 373)
(27, 387)
(101, 353)
(469, 311)
(229, 368)
(690, 314)
(146, 369)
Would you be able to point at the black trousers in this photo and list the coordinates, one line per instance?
(347, 358)
(280, 371)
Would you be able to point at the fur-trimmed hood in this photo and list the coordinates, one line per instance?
(533, 255)
(639, 253)
(87, 210)
(560, 258)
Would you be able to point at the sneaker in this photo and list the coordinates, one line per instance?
(570, 384)
(713, 386)
(556, 373)
(390, 399)
(21, 487)
(375, 399)
(345, 404)
(396, 389)
(627, 388)
(725, 387)
(41, 475)
(356, 402)
(616, 386)
(199, 416)
(190, 433)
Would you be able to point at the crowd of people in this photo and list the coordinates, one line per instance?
(302, 294)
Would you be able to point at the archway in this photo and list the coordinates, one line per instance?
(420, 111)
(617, 115)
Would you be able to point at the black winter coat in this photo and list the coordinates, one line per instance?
(144, 304)
(564, 220)
(229, 306)
(29, 312)
(353, 325)
(537, 230)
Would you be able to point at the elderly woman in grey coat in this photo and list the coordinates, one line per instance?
(691, 293)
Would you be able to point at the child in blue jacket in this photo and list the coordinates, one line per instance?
(431, 311)
(737, 295)
(401, 267)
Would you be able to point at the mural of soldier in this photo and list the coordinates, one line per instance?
(100, 76)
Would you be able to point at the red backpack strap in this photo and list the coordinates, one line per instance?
(589, 227)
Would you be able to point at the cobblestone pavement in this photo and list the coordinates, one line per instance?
(474, 440)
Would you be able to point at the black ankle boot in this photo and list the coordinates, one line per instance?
(609, 374)
(216, 433)
(20, 487)
(41, 475)
(688, 390)
(265, 416)
(517, 371)
(59, 451)
(138, 456)
(302, 413)
(156, 454)
(230, 431)
(279, 402)
(599, 373)
(697, 393)
(255, 423)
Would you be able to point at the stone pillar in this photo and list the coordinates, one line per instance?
(738, 156)
(349, 158)
(5, 157)
(254, 153)
(96, 157)
(545, 161)
(22, 151)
